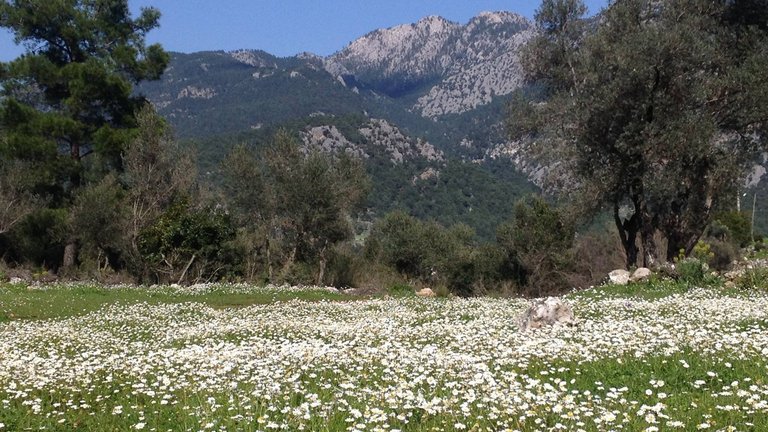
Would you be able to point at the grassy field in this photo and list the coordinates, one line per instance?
(239, 358)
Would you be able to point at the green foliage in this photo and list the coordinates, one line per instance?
(437, 256)
(702, 252)
(692, 271)
(534, 252)
(184, 236)
(74, 85)
(40, 238)
(479, 195)
(300, 203)
(68, 107)
(538, 227)
(156, 173)
(401, 290)
(17, 197)
(754, 278)
(723, 254)
(539, 241)
(723, 240)
(96, 221)
(732, 226)
(400, 241)
(346, 267)
(651, 107)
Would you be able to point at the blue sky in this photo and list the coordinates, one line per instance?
(288, 27)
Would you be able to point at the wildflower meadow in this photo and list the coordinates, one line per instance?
(309, 359)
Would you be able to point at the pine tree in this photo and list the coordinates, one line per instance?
(68, 105)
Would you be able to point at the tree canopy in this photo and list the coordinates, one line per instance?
(71, 94)
(654, 110)
(299, 197)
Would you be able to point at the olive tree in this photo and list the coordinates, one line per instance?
(653, 110)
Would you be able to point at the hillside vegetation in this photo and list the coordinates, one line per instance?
(404, 160)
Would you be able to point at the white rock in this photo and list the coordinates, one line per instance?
(548, 311)
(619, 277)
(641, 274)
(425, 292)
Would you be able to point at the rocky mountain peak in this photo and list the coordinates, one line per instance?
(408, 54)
(455, 68)
(254, 58)
(435, 24)
(500, 17)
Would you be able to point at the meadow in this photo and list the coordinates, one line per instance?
(651, 357)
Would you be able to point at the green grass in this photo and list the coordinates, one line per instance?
(692, 388)
(657, 289)
(19, 302)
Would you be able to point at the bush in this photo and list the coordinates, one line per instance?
(399, 240)
(401, 290)
(702, 252)
(299, 273)
(723, 255)
(754, 278)
(691, 271)
(345, 267)
(186, 241)
(425, 251)
(40, 238)
(539, 247)
(732, 226)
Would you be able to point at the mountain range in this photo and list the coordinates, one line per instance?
(423, 104)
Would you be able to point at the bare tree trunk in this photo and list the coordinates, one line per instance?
(184, 273)
(647, 232)
(628, 234)
(291, 258)
(650, 252)
(70, 256)
(323, 262)
(269, 259)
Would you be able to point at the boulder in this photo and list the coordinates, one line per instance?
(425, 292)
(641, 274)
(619, 277)
(549, 311)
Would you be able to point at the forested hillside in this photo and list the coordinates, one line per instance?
(407, 157)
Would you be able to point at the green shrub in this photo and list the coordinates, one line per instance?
(186, 239)
(691, 271)
(401, 290)
(539, 246)
(344, 268)
(732, 226)
(425, 251)
(702, 252)
(723, 255)
(754, 278)
(40, 238)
